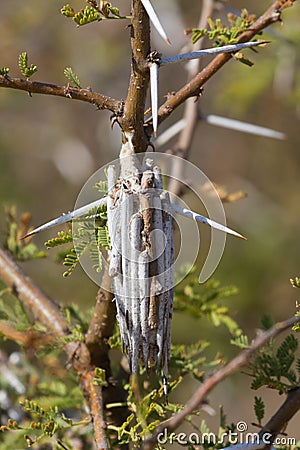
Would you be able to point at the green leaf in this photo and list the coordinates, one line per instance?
(4, 71)
(240, 341)
(267, 321)
(72, 77)
(63, 237)
(26, 70)
(259, 409)
(295, 282)
(86, 15)
(67, 11)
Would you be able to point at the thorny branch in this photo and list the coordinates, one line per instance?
(193, 88)
(235, 364)
(131, 115)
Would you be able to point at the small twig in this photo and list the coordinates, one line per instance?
(235, 364)
(85, 95)
(29, 338)
(96, 407)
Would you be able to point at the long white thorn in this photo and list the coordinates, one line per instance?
(170, 132)
(209, 51)
(192, 215)
(68, 217)
(219, 121)
(154, 95)
(155, 20)
(245, 127)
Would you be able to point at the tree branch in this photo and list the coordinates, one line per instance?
(42, 307)
(281, 418)
(133, 118)
(193, 88)
(102, 325)
(85, 95)
(235, 364)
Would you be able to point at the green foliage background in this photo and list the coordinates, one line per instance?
(39, 135)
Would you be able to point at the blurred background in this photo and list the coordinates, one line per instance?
(39, 136)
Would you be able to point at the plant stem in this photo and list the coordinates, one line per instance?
(85, 95)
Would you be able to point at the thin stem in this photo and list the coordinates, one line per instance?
(96, 407)
(85, 95)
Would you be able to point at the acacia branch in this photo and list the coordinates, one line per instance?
(193, 88)
(242, 359)
(85, 95)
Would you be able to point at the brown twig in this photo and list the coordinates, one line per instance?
(102, 325)
(235, 364)
(193, 88)
(85, 95)
(30, 338)
(95, 395)
(133, 118)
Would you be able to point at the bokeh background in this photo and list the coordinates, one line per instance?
(49, 147)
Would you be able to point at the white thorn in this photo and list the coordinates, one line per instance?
(155, 20)
(154, 95)
(209, 51)
(192, 215)
(245, 127)
(68, 217)
(170, 132)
